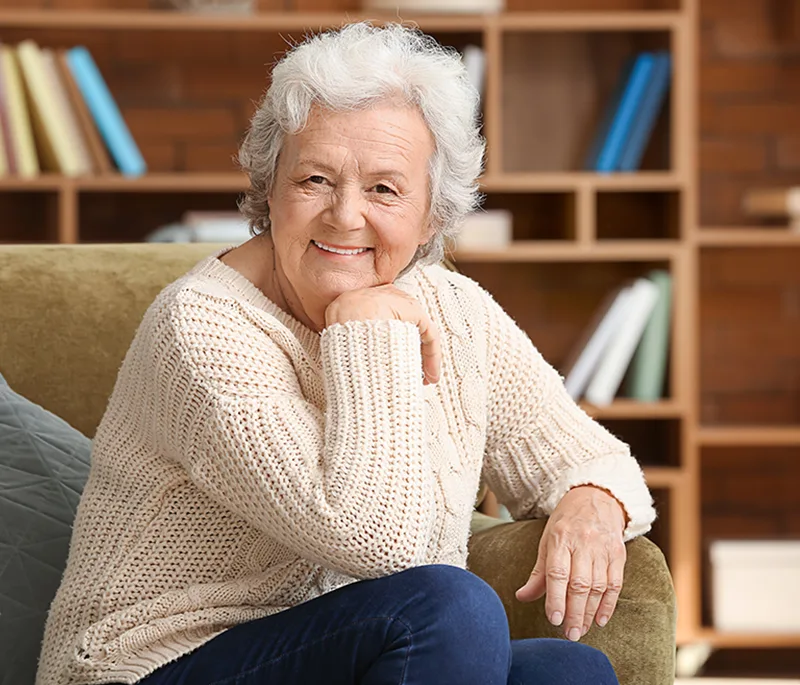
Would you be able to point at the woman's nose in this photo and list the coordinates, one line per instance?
(347, 209)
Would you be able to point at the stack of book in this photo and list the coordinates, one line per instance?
(774, 203)
(57, 115)
(625, 129)
(203, 226)
(628, 334)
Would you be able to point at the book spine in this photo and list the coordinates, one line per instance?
(648, 368)
(647, 114)
(608, 159)
(21, 136)
(105, 112)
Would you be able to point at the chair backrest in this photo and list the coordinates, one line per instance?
(68, 314)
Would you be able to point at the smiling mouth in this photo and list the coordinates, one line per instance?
(341, 250)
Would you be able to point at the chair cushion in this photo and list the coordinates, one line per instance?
(44, 463)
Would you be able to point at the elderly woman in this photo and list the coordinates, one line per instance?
(282, 484)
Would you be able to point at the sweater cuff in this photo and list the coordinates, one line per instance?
(622, 477)
(366, 361)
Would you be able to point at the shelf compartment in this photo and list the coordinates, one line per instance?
(749, 327)
(654, 442)
(544, 216)
(547, 74)
(638, 215)
(554, 301)
(747, 492)
(29, 216)
(128, 217)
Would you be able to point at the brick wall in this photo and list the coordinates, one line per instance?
(749, 101)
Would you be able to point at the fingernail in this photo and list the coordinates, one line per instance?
(574, 634)
(556, 618)
(602, 621)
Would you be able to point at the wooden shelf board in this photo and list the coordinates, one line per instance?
(200, 182)
(747, 640)
(743, 236)
(632, 409)
(566, 251)
(573, 180)
(713, 436)
(663, 477)
(288, 21)
(600, 21)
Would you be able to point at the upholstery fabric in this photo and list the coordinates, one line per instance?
(44, 463)
(640, 638)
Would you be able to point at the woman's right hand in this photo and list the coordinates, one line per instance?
(389, 302)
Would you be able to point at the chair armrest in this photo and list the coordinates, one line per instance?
(639, 639)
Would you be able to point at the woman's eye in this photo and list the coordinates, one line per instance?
(316, 179)
(383, 189)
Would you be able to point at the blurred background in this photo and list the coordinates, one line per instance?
(646, 148)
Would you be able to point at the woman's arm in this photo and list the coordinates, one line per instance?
(540, 443)
(348, 487)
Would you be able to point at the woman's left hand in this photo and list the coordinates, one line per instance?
(581, 561)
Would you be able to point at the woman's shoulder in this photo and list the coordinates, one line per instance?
(453, 288)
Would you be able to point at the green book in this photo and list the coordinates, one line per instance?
(649, 365)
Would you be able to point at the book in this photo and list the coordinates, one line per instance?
(75, 139)
(105, 112)
(649, 365)
(590, 163)
(98, 155)
(20, 139)
(582, 361)
(474, 60)
(772, 202)
(647, 114)
(7, 162)
(50, 130)
(630, 101)
(617, 356)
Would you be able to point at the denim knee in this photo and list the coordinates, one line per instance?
(463, 614)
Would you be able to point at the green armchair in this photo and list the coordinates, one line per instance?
(67, 318)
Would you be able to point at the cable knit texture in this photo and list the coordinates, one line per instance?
(246, 464)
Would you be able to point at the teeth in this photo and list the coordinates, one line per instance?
(337, 250)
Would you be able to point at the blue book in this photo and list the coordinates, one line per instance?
(631, 100)
(105, 112)
(590, 163)
(645, 120)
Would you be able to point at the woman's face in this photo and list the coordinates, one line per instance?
(355, 182)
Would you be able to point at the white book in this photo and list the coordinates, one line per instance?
(578, 376)
(617, 356)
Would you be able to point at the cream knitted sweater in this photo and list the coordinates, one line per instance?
(246, 464)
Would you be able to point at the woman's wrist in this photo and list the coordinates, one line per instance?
(601, 491)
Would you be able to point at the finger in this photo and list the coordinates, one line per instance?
(578, 588)
(596, 593)
(431, 349)
(537, 583)
(616, 570)
(557, 572)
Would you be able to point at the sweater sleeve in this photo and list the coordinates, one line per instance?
(540, 443)
(349, 488)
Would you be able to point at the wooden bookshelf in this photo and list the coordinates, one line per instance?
(187, 83)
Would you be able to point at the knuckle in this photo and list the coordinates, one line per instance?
(614, 586)
(557, 573)
(599, 588)
(580, 585)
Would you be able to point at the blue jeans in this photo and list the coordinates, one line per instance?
(437, 625)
